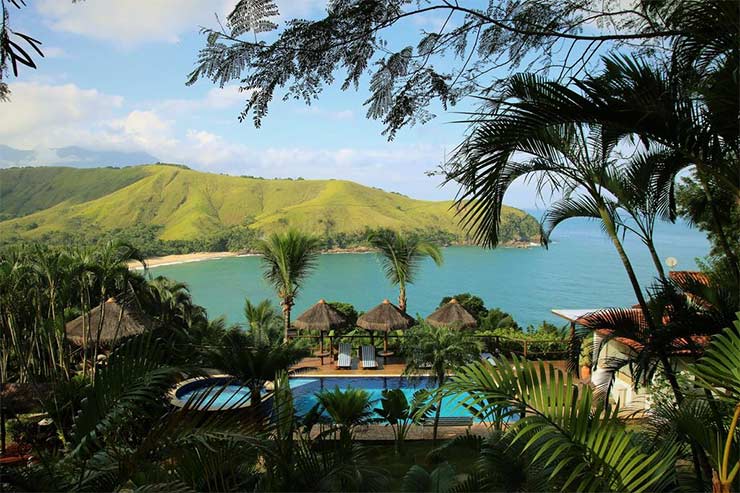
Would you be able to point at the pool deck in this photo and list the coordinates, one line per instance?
(312, 367)
(395, 366)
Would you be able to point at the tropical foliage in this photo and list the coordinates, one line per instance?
(288, 260)
(437, 351)
(401, 257)
(400, 414)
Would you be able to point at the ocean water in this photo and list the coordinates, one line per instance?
(580, 269)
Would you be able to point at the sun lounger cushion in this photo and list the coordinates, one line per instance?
(345, 355)
(367, 354)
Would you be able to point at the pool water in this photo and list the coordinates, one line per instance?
(305, 389)
(214, 397)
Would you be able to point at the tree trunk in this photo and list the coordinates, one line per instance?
(656, 259)
(612, 231)
(719, 486)
(438, 412)
(699, 458)
(436, 422)
(286, 320)
(402, 297)
(255, 395)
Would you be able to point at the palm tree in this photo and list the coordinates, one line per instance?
(261, 319)
(437, 351)
(577, 447)
(400, 414)
(255, 364)
(571, 158)
(348, 409)
(401, 257)
(288, 259)
(670, 111)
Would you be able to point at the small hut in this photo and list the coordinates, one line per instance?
(118, 322)
(452, 315)
(384, 318)
(322, 317)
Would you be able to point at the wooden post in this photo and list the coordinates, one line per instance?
(525, 349)
(321, 346)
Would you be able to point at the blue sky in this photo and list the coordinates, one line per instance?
(114, 79)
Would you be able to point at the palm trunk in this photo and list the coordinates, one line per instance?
(402, 297)
(699, 458)
(656, 259)
(438, 412)
(255, 395)
(286, 320)
(612, 231)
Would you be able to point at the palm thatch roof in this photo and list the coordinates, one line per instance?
(118, 322)
(385, 317)
(321, 316)
(452, 315)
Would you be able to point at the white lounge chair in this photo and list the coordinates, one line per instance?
(367, 355)
(344, 359)
(488, 357)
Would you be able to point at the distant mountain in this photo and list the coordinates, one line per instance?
(185, 205)
(74, 156)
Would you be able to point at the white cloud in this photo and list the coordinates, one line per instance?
(132, 22)
(129, 23)
(57, 116)
(216, 99)
(40, 114)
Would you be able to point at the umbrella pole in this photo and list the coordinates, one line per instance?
(321, 346)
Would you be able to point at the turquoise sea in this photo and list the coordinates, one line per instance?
(580, 269)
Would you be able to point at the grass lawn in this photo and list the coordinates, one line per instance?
(417, 452)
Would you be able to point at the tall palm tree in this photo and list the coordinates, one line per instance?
(288, 259)
(574, 159)
(401, 257)
(437, 351)
(669, 110)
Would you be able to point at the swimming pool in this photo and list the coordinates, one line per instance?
(304, 391)
(218, 393)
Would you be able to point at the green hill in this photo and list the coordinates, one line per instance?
(172, 204)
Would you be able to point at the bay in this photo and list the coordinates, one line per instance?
(580, 269)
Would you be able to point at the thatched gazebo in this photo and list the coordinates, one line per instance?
(384, 318)
(322, 317)
(118, 322)
(452, 315)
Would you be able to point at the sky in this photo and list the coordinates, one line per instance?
(113, 79)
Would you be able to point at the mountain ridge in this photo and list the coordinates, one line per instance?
(184, 205)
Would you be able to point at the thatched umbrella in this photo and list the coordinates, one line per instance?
(384, 318)
(453, 316)
(118, 322)
(322, 317)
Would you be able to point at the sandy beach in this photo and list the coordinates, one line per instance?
(181, 259)
(199, 256)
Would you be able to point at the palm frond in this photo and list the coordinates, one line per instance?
(589, 450)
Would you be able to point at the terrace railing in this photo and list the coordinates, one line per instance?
(555, 349)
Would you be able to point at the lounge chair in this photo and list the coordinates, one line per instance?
(344, 360)
(488, 357)
(367, 356)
